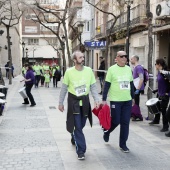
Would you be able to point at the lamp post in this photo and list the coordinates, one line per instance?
(63, 51)
(1, 77)
(128, 2)
(23, 48)
(26, 51)
(33, 55)
(80, 30)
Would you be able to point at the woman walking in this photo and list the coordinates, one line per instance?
(163, 94)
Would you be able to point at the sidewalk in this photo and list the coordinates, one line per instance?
(35, 138)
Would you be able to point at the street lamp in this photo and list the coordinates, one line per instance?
(128, 2)
(80, 30)
(33, 55)
(26, 51)
(1, 77)
(23, 48)
(63, 50)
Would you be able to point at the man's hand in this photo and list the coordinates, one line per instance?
(61, 108)
(137, 91)
(96, 104)
(104, 102)
(154, 91)
(22, 80)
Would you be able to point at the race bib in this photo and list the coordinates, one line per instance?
(80, 90)
(124, 85)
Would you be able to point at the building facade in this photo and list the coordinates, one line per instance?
(40, 42)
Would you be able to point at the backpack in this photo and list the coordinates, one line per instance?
(146, 76)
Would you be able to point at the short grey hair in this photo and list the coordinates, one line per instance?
(137, 57)
(74, 55)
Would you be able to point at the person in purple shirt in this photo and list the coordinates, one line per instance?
(163, 94)
(29, 82)
(138, 72)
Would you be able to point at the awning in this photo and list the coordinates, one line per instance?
(120, 42)
(166, 27)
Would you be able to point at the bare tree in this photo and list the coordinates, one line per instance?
(60, 16)
(150, 49)
(109, 33)
(10, 14)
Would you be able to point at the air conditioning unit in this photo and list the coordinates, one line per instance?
(162, 9)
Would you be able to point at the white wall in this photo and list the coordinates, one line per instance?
(15, 49)
(42, 50)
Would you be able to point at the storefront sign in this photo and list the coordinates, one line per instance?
(95, 44)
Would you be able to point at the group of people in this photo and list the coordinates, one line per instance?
(163, 91)
(79, 80)
(44, 73)
(33, 75)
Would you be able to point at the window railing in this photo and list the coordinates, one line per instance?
(138, 17)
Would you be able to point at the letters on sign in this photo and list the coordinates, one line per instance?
(95, 44)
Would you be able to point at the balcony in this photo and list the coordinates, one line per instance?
(138, 19)
(100, 31)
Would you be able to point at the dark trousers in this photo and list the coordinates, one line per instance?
(12, 73)
(7, 74)
(37, 80)
(137, 99)
(168, 114)
(28, 92)
(137, 102)
(42, 80)
(163, 107)
(79, 122)
(55, 81)
(121, 113)
(101, 79)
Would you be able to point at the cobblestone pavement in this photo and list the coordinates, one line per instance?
(35, 138)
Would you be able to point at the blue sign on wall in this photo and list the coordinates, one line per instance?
(95, 44)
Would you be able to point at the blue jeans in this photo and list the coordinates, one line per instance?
(79, 122)
(121, 113)
(37, 79)
(101, 79)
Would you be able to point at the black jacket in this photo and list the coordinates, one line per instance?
(73, 107)
(101, 67)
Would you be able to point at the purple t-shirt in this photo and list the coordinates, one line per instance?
(30, 75)
(138, 70)
(162, 85)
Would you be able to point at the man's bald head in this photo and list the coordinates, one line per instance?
(120, 53)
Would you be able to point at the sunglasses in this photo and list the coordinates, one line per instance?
(121, 56)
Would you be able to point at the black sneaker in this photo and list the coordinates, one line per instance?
(72, 140)
(124, 149)
(137, 119)
(167, 134)
(164, 130)
(81, 156)
(106, 137)
(32, 105)
(153, 123)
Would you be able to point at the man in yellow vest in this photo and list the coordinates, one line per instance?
(38, 72)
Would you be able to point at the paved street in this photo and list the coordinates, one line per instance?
(35, 138)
